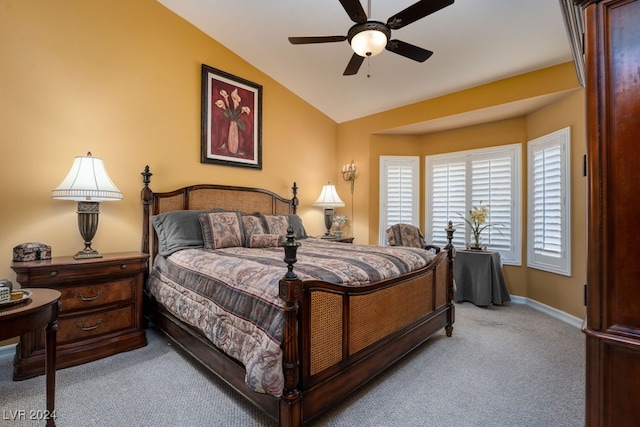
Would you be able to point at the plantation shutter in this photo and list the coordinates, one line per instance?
(547, 201)
(458, 181)
(549, 227)
(399, 192)
(448, 195)
(491, 185)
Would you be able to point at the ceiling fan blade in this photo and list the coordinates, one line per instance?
(354, 10)
(316, 39)
(408, 50)
(354, 65)
(416, 11)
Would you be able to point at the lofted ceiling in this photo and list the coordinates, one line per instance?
(474, 42)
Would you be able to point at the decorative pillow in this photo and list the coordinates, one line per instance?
(276, 224)
(251, 224)
(221, 229)
(264, 241)
(296, 222)
(177, 230)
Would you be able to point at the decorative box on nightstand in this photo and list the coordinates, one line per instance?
(100, 309)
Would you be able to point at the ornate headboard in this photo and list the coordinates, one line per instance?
(207, 196)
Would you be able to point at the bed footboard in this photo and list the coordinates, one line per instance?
(337, 338)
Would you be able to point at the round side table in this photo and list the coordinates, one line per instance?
(39, 311)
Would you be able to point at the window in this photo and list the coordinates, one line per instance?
(549, 213)
(399, 196)
(458, 181)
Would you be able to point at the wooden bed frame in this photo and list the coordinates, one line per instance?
(336, 338)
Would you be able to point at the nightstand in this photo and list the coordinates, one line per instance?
(100, 309)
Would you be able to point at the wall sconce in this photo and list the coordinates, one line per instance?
(328, 200)
(88, 184)
(349, 174)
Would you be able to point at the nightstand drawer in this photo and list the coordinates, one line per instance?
(84, 297)
(62, 274)
(82, 327)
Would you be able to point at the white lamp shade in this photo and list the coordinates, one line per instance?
(329, 198)
(369, 43)
(87, 181)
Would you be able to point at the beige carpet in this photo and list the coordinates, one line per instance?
(504, 366)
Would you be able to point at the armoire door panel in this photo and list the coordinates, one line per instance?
(622, 77)
(624, 371)
(612, 64)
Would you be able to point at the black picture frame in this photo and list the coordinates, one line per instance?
(231, 120)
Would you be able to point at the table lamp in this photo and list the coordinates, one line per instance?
(88, 184)
(328, 200)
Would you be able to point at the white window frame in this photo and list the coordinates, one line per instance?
(537, 257)
(386, 162)
(514, 151)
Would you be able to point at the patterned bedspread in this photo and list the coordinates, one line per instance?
(231, 294)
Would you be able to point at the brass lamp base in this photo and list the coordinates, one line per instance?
(88, 225)
(86, 254)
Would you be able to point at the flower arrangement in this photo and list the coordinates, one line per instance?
(233, 114)
(477, 223)
(339, 221)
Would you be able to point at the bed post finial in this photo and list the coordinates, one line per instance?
(451, 254)
(290, 293)
(147, 196)
(290, 251)
(146, 176)
(450, 230)
(294, 199)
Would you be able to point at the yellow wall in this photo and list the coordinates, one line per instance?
(121, 79)
(555, 290)
(362, 137)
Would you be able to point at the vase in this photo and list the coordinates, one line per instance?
(232, 139)
(475, 246)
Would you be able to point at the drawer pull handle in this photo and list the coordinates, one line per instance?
(90, 328)
(53, 273)
(83, 298)
(123, 266)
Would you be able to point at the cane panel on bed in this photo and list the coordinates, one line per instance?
(207, 197)
(371, 317)
(326, 330)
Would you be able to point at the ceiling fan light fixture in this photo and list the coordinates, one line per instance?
(369, 39)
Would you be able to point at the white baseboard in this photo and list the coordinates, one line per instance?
(7, 351)
(553, 312)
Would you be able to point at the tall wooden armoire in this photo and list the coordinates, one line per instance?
(612, 63)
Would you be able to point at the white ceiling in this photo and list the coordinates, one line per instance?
(474, 42)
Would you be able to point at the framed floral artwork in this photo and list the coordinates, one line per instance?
(231, 120)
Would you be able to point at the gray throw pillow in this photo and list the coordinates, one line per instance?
(178, 230)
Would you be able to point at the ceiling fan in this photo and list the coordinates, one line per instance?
(369, 38)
